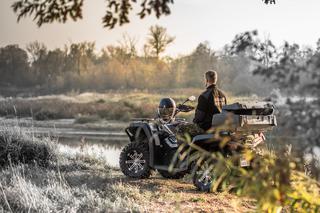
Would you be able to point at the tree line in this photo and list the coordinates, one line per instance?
(79, 66)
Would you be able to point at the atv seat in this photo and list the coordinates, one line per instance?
(206, 141)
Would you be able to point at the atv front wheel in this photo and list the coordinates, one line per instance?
(170, 175)
(134, 160)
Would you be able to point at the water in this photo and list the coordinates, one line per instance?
(107, 148)
(103, 142)
(109, 154)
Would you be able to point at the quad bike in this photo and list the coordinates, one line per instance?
(153, 142)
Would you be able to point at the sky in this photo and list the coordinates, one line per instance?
(191, 22)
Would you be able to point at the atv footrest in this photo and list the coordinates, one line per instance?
(204, 137)
(166, 168)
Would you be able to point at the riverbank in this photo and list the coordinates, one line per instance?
(96, 107)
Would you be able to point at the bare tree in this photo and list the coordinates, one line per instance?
(158, 40)
(129, 45)
(36, 50)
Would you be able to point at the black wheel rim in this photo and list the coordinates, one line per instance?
(135, 161)
(204, 175)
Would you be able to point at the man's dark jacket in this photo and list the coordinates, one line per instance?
(210, 102)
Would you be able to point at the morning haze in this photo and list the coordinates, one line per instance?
(219, 96)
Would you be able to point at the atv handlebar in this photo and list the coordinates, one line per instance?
(184, 108)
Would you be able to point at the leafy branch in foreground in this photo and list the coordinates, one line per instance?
(274, 182)
(49, 11)
(295, 71)
(269, 1)
(117, 11)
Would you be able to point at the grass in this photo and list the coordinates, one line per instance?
(90, 107)
(110, 105)
(30, 188)
(80, 180)
(71, 182)
(86, 119)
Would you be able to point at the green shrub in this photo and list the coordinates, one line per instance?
(44, 115)
(100, 101)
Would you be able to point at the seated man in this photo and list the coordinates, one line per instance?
(210, 102)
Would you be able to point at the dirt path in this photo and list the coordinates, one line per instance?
(157, 194)
(163, 195)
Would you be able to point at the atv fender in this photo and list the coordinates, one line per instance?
(138, 130)
(144, 130)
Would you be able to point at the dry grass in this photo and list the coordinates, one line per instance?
(87, 119)
(80, 180)
(72, 182)
(112, 105)
(29, 188)
(162, 195)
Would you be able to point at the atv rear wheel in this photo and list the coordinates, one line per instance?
(170, 175)
(203, 177)
(134, 160)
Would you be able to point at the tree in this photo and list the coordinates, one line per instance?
(158, 40)
(80, 57)
(36, 50)
(124, 53)
(51, 66)
(201, 60)
(128, 45)
(14, 66)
